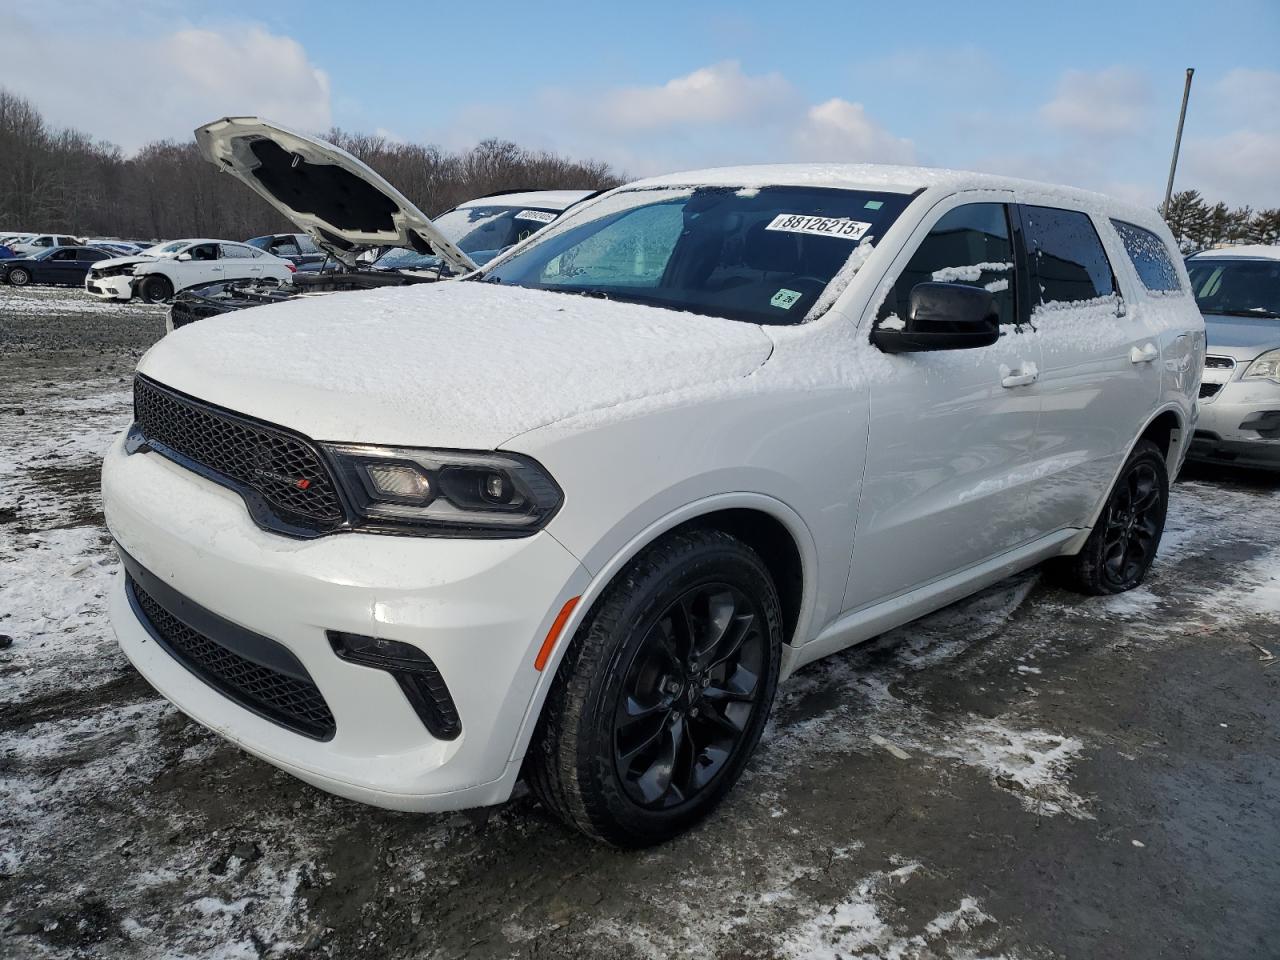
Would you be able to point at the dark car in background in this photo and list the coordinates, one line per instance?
(53, 265)
(297, 248)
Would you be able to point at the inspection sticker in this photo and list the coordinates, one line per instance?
(785, 298)
(542, 216)
(841, 227)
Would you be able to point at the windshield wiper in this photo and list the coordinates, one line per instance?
(1258, 312)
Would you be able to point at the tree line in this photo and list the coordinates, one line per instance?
(65, 181)
(1196, 224)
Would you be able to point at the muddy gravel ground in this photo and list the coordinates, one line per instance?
(1025, 774)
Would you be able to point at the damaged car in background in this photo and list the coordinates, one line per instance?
(156, 274)
(370, 233)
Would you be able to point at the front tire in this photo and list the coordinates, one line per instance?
(155, 289)
(1124, 541)
(19, 277)
(663, 694)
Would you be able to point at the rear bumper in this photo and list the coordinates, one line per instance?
(478, 609)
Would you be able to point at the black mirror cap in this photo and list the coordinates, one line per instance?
(943, 316)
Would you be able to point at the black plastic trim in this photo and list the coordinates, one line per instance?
(254, 647)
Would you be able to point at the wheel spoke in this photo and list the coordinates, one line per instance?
(721, 621)
(645, 742)
(730, 643)
(654, 783)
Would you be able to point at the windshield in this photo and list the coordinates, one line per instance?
(1238, 288)
(402, 258)
(166, 249)
(489, 229)
(762, 255)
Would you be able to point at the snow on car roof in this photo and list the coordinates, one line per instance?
(545, 199)
(1251, 251)
(890, 179)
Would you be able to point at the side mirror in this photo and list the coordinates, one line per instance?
(184, 257)
(943, 316)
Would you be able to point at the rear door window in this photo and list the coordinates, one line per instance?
(970, 245)
(1068, 261)
(1150, 257)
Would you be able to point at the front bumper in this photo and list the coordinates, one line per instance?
(110, 288)
(478, 608)
(1240, 425)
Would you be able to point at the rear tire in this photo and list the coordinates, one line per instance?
(155, 289)
(1126, 536)
(19, 277)
(662, 696)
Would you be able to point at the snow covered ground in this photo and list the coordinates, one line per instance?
(1025, 774)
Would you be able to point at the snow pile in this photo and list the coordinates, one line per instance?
(970, 273)
(60, 300)
(855, 928)
(1034, 764)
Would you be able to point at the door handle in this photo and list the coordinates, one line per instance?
(1028, 373)
(1143, 354)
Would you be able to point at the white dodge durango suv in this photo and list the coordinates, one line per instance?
(576, 517)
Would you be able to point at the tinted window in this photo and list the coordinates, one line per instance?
(204, 251)
(969, 246)
(63, 255)
(759, 254)
(1066, 255)
(1149, 255)
(95, 254)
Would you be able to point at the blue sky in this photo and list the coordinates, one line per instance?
(1085, 92)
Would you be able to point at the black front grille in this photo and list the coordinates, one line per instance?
(1220, 363)
(1208, 390)
(290, 480)
(293, 702)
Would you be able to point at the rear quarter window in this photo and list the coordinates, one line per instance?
(1067, 256)
(1150, 257)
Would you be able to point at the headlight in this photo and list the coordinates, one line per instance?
(1266, 367)
(446, 492)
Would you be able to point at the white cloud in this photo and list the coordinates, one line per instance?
(1239, 168)
(130, 88)
(838, 130)
(1101, 104)
(1250, 97)
(716, 114)
(714, 94)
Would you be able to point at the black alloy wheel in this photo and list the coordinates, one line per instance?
(663, 691)
(1124, 541)
(1132, 523)
(156, 289)
(689, 695)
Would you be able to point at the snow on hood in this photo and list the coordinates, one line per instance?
(460, 365)
(1246, 334)
(337, 200)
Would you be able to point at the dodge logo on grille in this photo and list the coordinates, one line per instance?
(300, 482)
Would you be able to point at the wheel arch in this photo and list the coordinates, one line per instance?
(769, 526)
(1166, 427)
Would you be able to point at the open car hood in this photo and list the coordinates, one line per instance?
(334, 198)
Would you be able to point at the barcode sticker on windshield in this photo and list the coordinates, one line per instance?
(542, 216)
(841, 227)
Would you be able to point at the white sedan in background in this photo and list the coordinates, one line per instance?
(155, 275)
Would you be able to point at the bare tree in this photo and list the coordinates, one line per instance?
(63, 180)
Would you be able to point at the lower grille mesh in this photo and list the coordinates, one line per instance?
(288, 701)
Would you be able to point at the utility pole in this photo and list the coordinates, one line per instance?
(1177, 143)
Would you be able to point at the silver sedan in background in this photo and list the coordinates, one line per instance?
(1238, 291)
